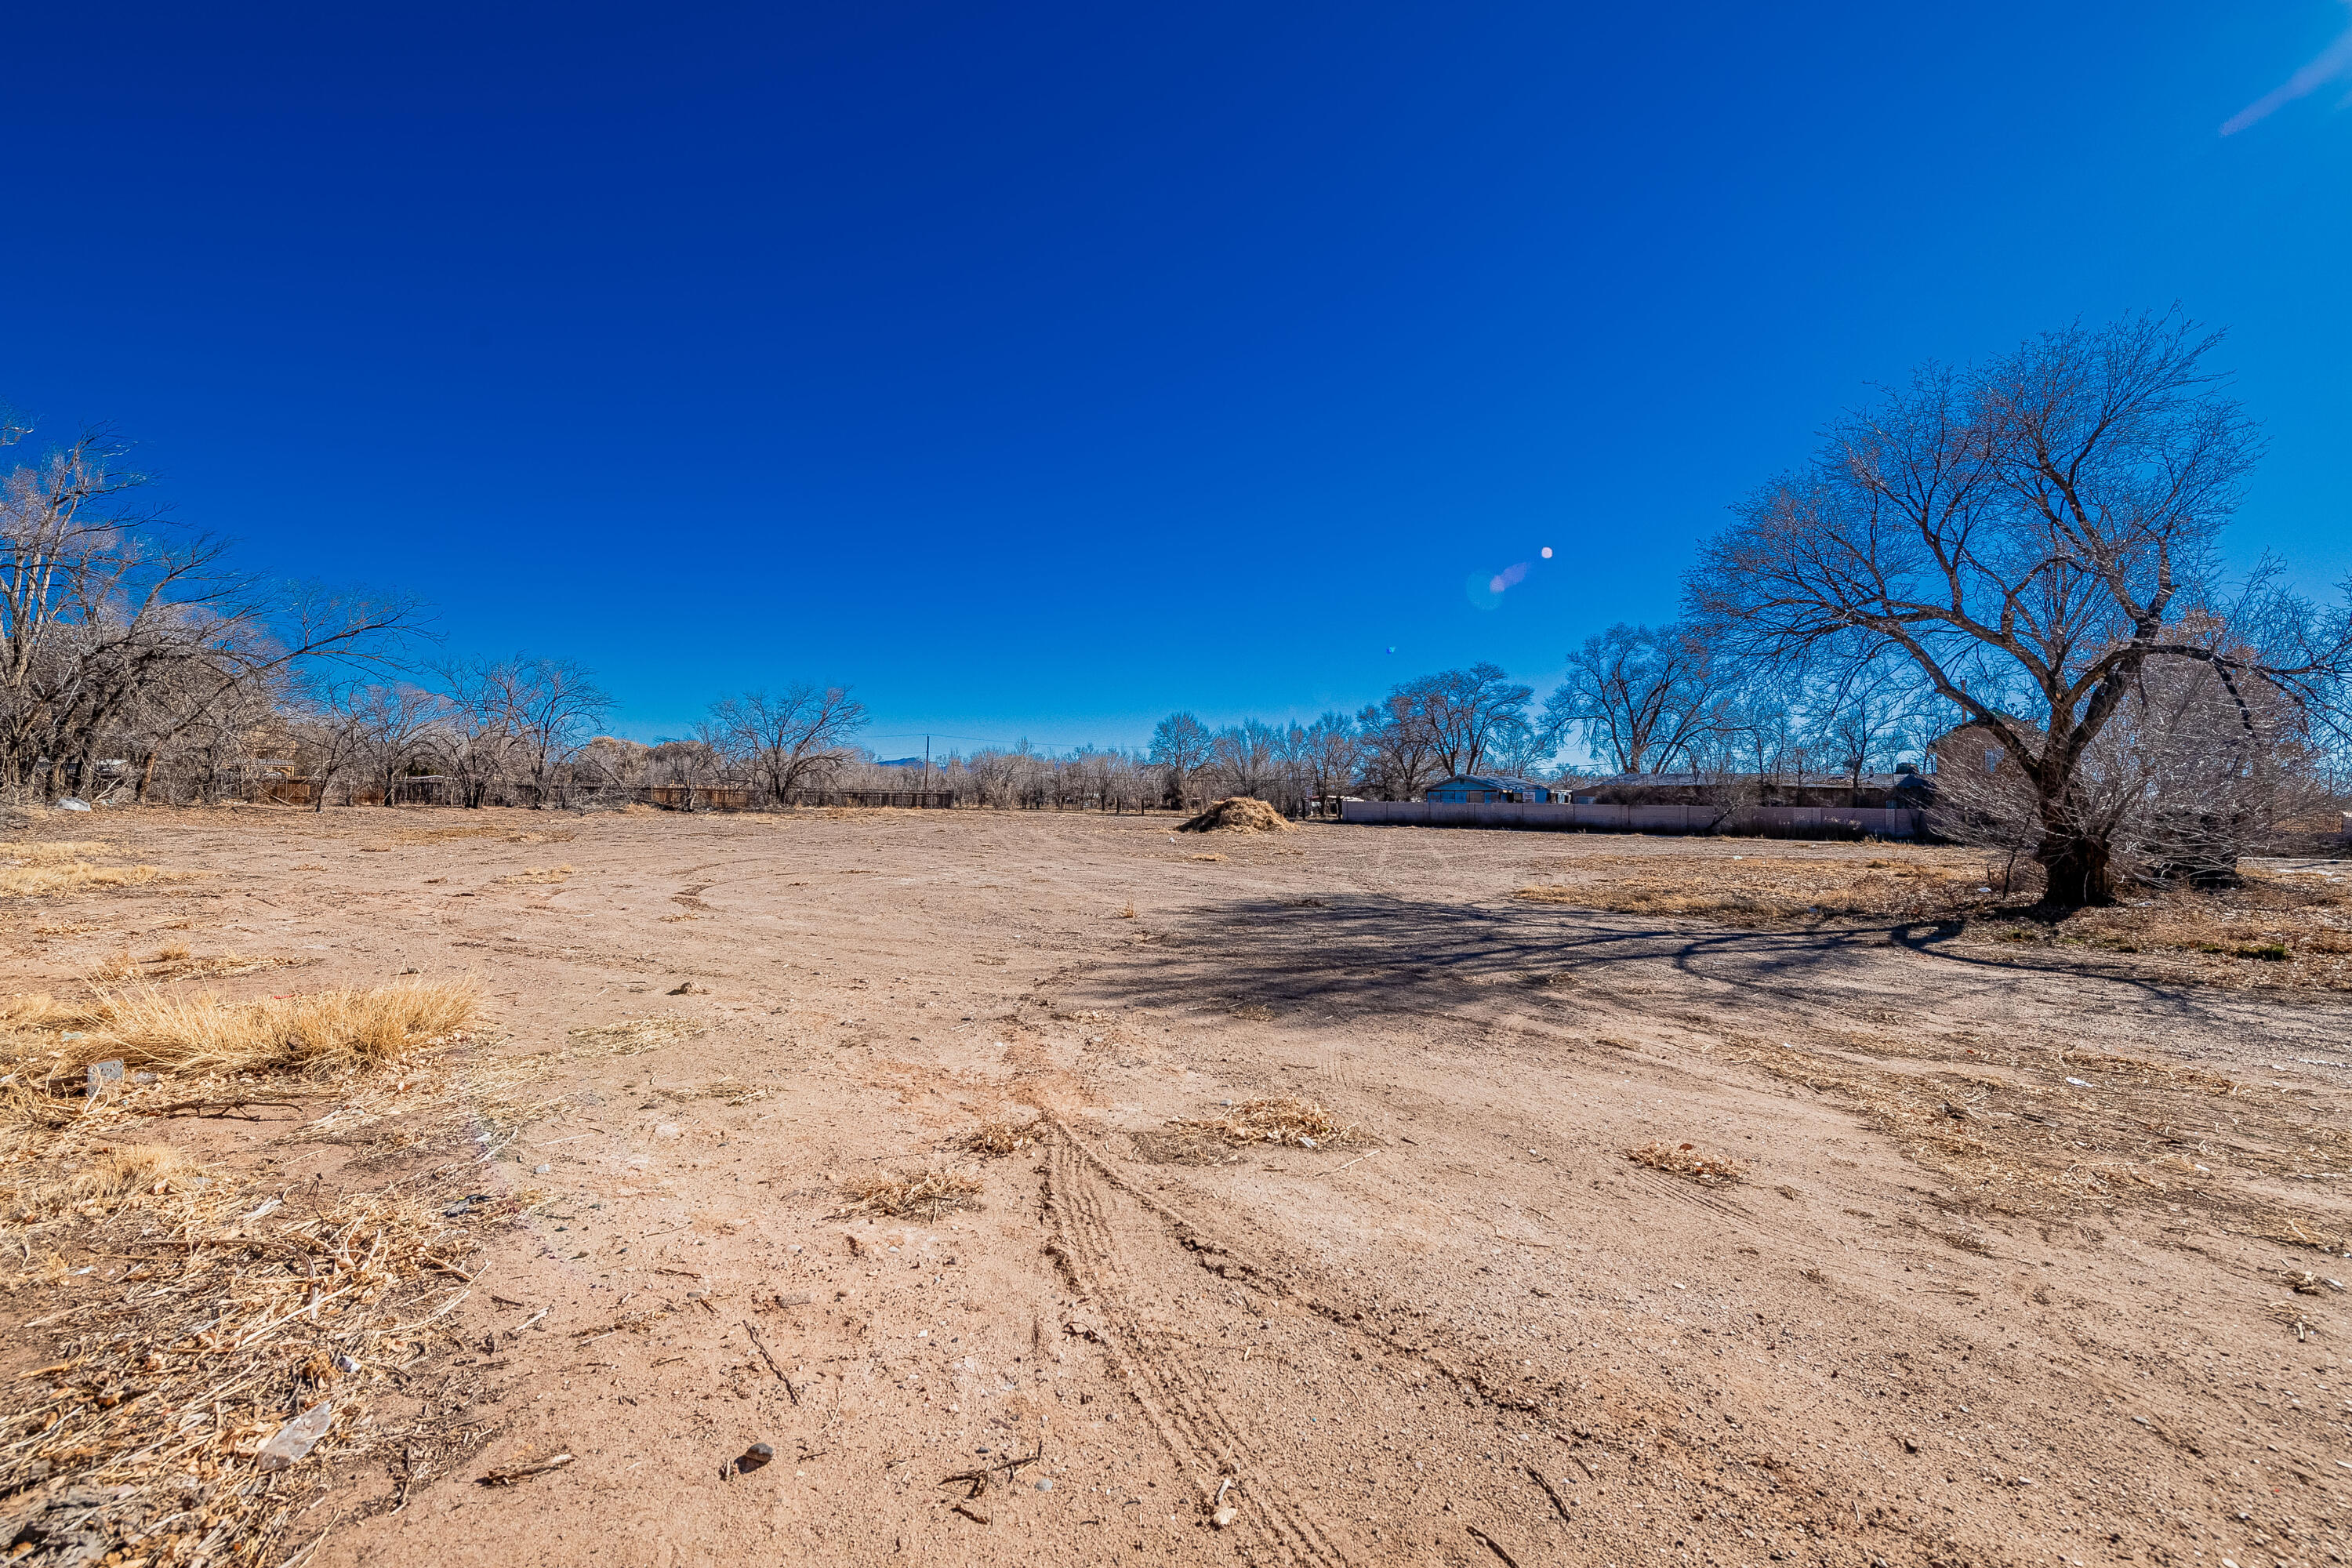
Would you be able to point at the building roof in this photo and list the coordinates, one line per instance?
(1503, 782)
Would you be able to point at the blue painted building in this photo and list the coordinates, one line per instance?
(1485, 789)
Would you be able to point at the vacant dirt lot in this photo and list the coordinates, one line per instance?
(1982, 1250)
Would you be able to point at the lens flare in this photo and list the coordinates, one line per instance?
(1485, 591)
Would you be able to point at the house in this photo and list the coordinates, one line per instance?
(1905, 788)
(1482, 789)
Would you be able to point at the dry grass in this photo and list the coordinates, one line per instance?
(631, 1036)
(59, 852)
(537, 874)
(1283, 1119)
(92, 1184)
(174, 962)
(200, 1033)
(80, 877)
(236, 1312)
(1685, 1160)
(2284, 928)
(1778, 884)
(2290, 928)
(1237, 813)
(900, 1195)
(42, 870)
(1000, 1138)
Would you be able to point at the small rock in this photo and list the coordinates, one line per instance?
(541, 1170)
(666, 1130)
(1047, 1485)
(70, 804)
(755, 1455)
(690, 989)
(142, 1078)
(1224, 1516)
(296, 1438)
(100, 1074)
(410, 970)
(2080, 1082)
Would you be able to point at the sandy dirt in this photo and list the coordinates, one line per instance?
(2010, 1277)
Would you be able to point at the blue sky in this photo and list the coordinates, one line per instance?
(1038, 369)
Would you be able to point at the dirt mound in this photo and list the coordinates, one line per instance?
(1240, 813)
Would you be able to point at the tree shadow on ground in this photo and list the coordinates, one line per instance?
(1344, 954)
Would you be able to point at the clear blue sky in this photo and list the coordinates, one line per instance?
(1038, 369)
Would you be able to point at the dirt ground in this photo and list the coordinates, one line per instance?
(1997, 1252)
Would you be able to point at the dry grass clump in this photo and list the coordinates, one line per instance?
(1237, 813)
(121, 1169)
(537, 874)
(45, 870)
(928, 1192)
(201, 1033)
(91, 1181)
(1008, 1137)
(1283, 1119)
(1685, 1160)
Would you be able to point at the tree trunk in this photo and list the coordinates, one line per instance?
(2081, 871)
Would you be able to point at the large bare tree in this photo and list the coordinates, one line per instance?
(788, 740)
(1644, 700)
(2035, 536)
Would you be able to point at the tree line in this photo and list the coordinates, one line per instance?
(2009, 572)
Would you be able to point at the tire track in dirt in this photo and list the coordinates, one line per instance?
(1158, 1367)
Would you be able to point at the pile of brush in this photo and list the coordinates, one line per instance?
(1237, 813)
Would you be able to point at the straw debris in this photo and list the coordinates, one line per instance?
(1283, 1119)
(928, 1193)
(1685, 1160)
(1001, 1138)
(631, 1036)
(238, 1312)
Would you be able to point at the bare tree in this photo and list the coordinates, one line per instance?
(2036, 535)
(1398, 745)
(394, 723)
(477, 734)
(1329, 750)
(553, 707)
(1643, 699)
(110, 618)
(1181, 743)
(1468, 711)
(791, 740)
(1247, 755)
